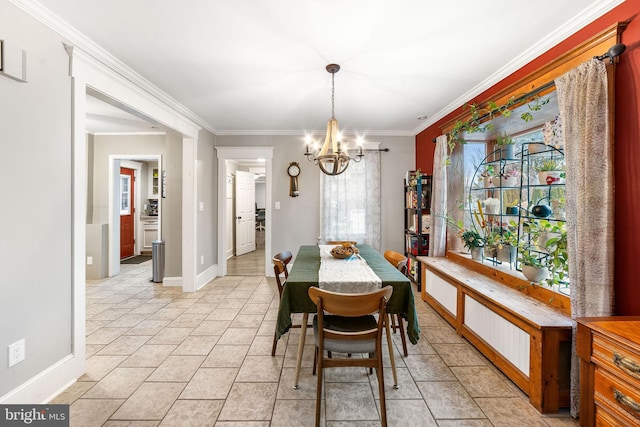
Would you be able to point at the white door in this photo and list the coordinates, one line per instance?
(245, 212)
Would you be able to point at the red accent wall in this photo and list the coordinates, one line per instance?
(627, 144)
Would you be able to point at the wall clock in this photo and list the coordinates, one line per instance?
(293, 170)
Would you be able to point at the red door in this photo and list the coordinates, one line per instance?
(126, 213)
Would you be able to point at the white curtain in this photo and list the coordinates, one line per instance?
(438, 230)
(350, 202)
(583, 105)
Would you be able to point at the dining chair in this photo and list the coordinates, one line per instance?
(284, 257)
(399, 261)
(280, 262)
(349, 326)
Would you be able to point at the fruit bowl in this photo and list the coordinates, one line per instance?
(343, 251)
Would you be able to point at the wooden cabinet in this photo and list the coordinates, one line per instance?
(150, 232)
(609, 352)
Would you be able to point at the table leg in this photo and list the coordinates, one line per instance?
(391, 356)
(303, 333)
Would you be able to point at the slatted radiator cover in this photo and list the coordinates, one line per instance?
(509, 340)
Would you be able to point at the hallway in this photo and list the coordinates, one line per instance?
(251, 264)
(160, 357)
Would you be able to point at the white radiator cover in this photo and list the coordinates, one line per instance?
(442, 291)
(509, 340)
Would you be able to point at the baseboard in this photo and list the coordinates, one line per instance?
(172, 281)
(206, 276)
(48, 383)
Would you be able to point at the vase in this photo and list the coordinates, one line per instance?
(535, 274)
(511, 210)
(477, 254)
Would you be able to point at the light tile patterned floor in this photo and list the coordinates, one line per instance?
(158, 357)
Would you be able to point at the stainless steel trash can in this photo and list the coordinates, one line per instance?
(157, 257)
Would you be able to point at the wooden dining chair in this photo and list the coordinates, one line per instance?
(339, 242)
(349, 326)
(284, 257)
(399, 261)
(280, 262)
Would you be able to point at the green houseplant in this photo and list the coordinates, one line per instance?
(550, 171)
(533, 265)
(505, 143)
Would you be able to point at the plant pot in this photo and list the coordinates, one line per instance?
(536, 148)
(507, 253)
(507, 151)
(535, 274)
(511, 210)
(491, 251)
(509, 181)
(477, 254)
(551, 177)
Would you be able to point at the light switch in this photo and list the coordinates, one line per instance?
(201, 206)
(277, 205)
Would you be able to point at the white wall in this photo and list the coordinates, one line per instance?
(35, 219)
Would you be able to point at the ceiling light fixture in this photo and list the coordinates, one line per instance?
(332, 158)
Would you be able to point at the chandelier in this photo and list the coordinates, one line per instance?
(332, 158)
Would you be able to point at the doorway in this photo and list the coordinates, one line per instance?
(228, 158)
(246, 250)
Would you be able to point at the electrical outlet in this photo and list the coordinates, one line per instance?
(16, 352)
(89, 260)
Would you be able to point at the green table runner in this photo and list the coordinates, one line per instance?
(304, 274)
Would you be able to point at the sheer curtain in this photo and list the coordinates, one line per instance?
(438, 230)
(350, 202)
(583, 105)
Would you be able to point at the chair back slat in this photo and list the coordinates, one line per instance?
(350, 305)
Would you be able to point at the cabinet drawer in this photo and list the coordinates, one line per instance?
(618, 359)
(620, 399)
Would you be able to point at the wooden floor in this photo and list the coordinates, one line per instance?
(250, 264)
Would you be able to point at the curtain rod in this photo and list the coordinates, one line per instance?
(613, 52)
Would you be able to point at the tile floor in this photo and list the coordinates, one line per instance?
(157, 357)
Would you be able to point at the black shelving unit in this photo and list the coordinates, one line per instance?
(526, 188)
(417, 206)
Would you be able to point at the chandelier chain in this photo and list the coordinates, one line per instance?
(333, 90)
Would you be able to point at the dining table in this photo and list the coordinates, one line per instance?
(309, 269)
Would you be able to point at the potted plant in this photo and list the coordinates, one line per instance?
(550, 171)
(533, 267)
(508, 243)
(510, 177)
(512, 207)
(505, 143)
(486, 177)
(474, 242)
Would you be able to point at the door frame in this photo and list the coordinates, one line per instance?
(127, 161)
(239, 153)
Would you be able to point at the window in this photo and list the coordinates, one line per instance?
(350, 203)
(125, 195)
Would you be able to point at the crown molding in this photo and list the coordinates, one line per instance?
(553, 39)
(290, 132)
(105, 59)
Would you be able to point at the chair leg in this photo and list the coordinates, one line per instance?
(391, 353)
(403, 336)
(315, 360)
(383, 402)
(319, 389)
(275, 343)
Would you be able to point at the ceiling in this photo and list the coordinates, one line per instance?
(248, 67)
